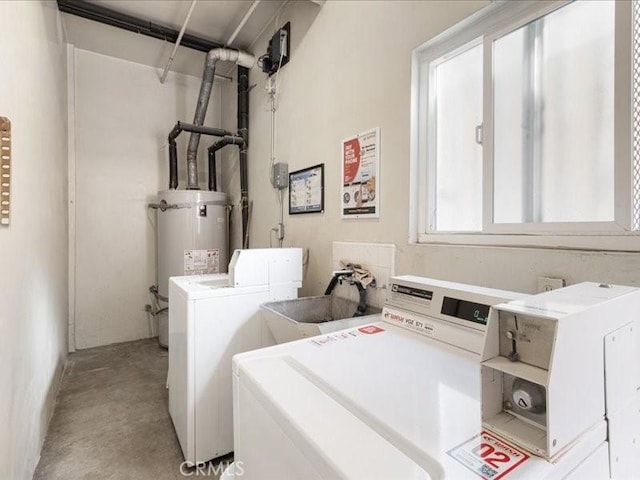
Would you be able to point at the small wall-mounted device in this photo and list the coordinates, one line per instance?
(280, 175)
(277, 55)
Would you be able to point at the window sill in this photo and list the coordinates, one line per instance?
(615, 242)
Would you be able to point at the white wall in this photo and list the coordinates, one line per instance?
(350, 71)
(123, 116)
(33, 249)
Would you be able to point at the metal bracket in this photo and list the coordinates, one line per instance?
(164, 206)
(5, 170)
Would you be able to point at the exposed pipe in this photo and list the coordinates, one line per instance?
(198, 120)
(226, 140)
(189, 127)
(98, 13)
(173, 164)
(213, 180)
(173, 150)
(178, 40)
(218, 54)
(245, 242)
(243, 22)
(243, 131)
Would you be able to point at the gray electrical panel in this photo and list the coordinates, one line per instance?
(280, 175)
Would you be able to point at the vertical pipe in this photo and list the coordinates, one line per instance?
(173, 165)
(243, 103)
(243, 131)
(198, 119)
(213, 187)
(227, 55)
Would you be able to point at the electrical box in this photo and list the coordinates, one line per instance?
(278, 50)
(280, 175)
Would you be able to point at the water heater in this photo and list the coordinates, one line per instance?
(192, 235)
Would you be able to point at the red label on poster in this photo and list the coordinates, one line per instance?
(351, 160)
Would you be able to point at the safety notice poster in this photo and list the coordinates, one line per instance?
(361, 175)
(201, 262)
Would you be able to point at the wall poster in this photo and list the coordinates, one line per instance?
(306, 190)
(201, 262)
(361, 175)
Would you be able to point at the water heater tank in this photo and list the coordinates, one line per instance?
(192, 235)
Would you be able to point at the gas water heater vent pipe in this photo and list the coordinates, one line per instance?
(243, 59)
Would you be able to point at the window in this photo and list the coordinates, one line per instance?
(521, 124)
(457, 84)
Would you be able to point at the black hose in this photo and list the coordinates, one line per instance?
(332, 284)
(362, 305)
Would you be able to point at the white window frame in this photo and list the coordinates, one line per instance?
(490, 23)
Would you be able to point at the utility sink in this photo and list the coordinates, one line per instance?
(304, 317)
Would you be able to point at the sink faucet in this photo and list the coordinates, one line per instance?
(338, 275)
(349, 275)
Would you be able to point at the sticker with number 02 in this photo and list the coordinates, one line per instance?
(488, 456)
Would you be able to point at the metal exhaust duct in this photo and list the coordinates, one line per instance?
(217, 54)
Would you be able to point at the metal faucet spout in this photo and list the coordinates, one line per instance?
(336, 276)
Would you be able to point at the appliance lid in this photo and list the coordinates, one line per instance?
(411, 403)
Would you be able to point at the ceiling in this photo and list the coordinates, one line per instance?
(213, 20)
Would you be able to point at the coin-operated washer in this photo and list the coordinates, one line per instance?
(566, 377)
(213, 317)
(422, 394)
(380, 401)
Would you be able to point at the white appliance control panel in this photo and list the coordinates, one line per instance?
(453, 313)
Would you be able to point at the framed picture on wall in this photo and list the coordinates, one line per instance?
(306, 190)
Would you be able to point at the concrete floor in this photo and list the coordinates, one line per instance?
(111, 419)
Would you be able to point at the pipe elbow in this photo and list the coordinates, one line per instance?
(243, 59)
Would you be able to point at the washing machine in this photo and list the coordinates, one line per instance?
(430, 392)
(211, 318)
